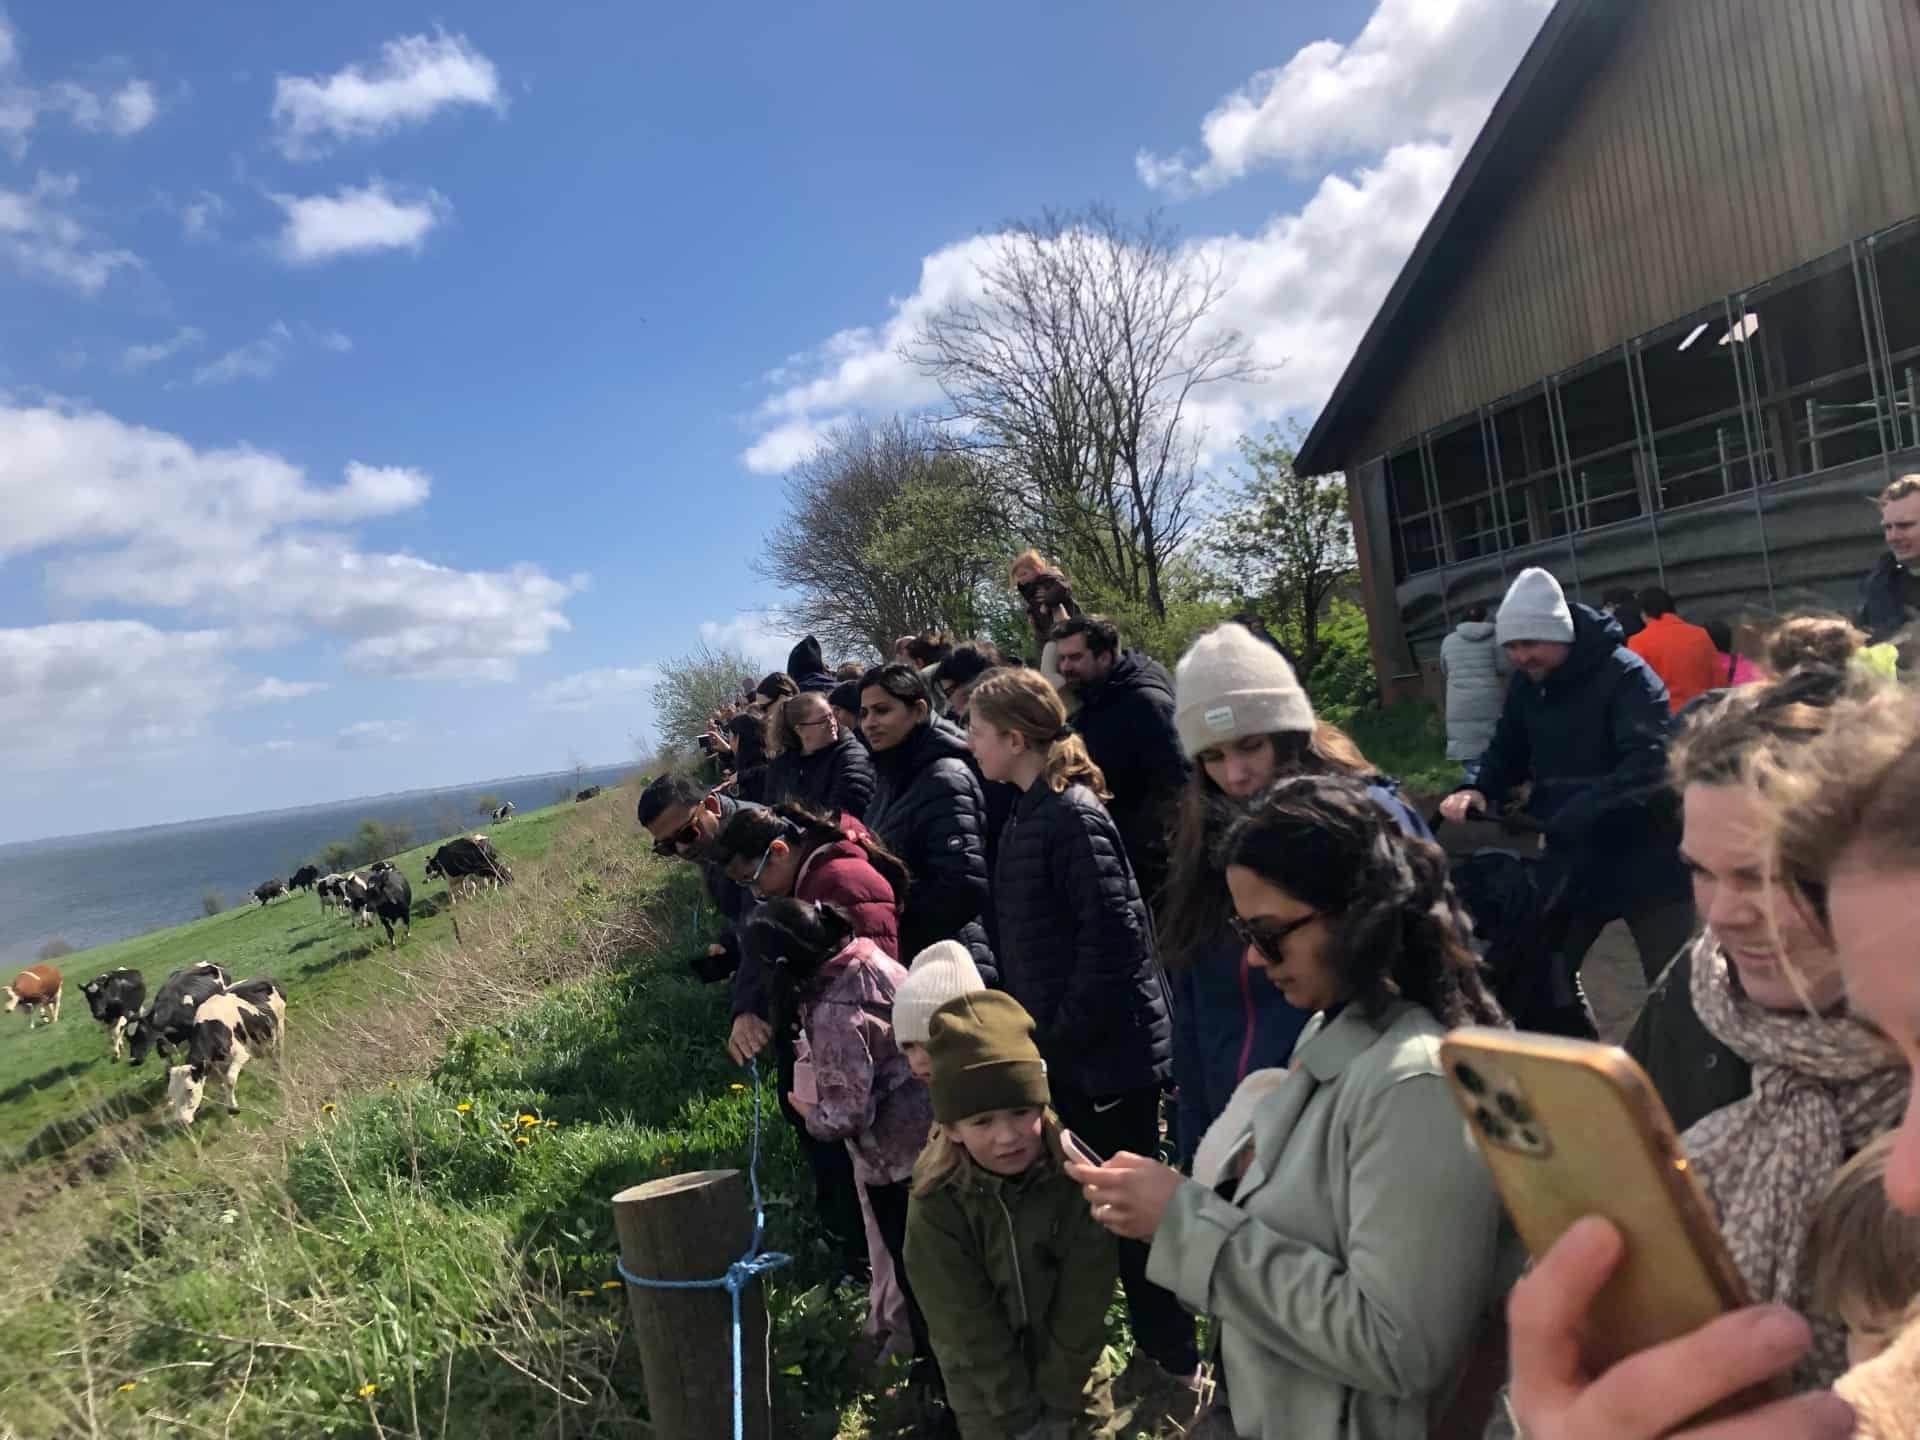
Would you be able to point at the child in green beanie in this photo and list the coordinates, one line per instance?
(1013, 1273)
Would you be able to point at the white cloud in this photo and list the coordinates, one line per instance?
(273, 690)
(358, 221)
(200, 216)
(277, 745)
(86, 689)
(334, 340)
(135, 358)
(592, 689)
(125, 111)
(761, 638)
(259, 359)
(42, 239)
(140, 517)
(365, 734)
(1302, 287)
(415, 77)
(1419, 70)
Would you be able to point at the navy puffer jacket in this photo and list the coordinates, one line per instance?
(836, 779)
(928, 808)
(1075, 947)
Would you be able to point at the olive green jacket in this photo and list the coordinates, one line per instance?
(1351, 1273)
(1015, 1277)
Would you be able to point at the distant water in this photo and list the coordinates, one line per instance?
(90, 889)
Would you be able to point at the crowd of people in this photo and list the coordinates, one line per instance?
(1076, 974)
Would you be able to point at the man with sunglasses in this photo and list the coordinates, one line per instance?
(684, 818)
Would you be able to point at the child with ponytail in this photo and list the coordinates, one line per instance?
(1075, 948)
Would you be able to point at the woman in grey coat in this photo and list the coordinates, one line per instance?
(1476, 669)
(1340, 1228)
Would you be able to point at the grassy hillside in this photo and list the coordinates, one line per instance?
(58, 1084)
(406, 1232)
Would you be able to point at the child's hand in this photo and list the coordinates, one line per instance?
(1128, 1194)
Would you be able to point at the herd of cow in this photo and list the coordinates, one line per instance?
(206, 1024)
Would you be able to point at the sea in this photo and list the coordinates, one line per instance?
(91, 889)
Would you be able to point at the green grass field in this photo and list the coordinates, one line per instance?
(58, 1084)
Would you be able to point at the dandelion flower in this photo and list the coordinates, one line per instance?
(328, 1108)
(125, 1387)
(521, 1140)
(736, 1086)
(588, 1294)
(611, 1284)
(368, 1389)
(529, 1119)
(549, 1123)
(463, 1107)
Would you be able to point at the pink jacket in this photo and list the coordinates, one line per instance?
(867, 1094)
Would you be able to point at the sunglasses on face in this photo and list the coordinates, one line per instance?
(685, 835)
(810, 724)
(760, 869)
(1267, 941)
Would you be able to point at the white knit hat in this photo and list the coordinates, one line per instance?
(1535, 609)
(1231, 684)
(941, 972)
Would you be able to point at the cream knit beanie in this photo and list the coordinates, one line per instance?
(941, 972)
(1231, 684)
(1535, 609)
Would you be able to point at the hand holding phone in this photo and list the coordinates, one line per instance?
(1078, 1150)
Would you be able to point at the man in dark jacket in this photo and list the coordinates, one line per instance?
(1586, 722)
(1890, 594)
(684, 819)
(807, 668)
(1126, 719)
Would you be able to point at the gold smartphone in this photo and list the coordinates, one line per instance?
(1572, 1129)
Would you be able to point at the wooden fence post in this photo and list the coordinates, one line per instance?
(692, 1227)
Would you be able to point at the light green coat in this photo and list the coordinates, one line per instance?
(1352, 1272)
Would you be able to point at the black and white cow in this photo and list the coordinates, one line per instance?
(468, 862)
(115, 999)
(169, 1019)
(228, 1030)
(391, 898)
(504, 813)
(304, 878)
(269, 890)
(592, 792)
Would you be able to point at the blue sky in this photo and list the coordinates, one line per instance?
(381, 395)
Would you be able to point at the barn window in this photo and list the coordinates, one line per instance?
(1416, 546)
(1806, 362)
(1690, 393)
(1895, 261)
(1594, 406)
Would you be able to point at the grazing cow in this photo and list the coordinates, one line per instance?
(36, 988)
(264, 991)
(227, 1032)
(304, 878)
(504, 813)
(332, 891)
(392, 901)
(115, 999)
(269, 890)
(592, 792)
(471, 861)
(356, 893)
(169, 1019)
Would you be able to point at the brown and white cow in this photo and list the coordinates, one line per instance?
(36, 988)
(228, 1031)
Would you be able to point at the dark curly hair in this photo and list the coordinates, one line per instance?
(1394, 925)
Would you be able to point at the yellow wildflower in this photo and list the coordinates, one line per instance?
(736, 1086)
(549, 1123)
(611, 1284)
(368, 1389)
(124, 1388)
(521, 1140)
(463, 1107)
(529, 1119)
(328, 1108)
(587, 1293)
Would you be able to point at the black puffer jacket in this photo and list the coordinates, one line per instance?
(835, 779)
(1128, 726)
(1889, 599)
(928, 808)
(1592, 738)
(1075, 947)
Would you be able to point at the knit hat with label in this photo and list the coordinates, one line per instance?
(1535, 609)
(983, 1056)
(939, 973)
(1232, 684)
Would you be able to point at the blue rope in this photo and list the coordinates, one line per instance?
(741, 1273)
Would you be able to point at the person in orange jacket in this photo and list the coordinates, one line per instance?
(1682, 655)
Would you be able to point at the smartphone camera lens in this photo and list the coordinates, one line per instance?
(1513, 1108)
(1470, 1080)
(1491, 1123)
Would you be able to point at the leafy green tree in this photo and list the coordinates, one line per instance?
(690, 688)
(486, 804)
(1284, 541)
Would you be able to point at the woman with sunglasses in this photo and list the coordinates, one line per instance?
(1245, 721)
(790, 850)
(1340, 1228)
(816, 763)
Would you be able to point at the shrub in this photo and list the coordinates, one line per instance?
(212, 903)
(54, 949)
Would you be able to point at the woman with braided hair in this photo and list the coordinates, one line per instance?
(1340, 1227)
(1076, 950)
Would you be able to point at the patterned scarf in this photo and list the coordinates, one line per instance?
(1823, 1086)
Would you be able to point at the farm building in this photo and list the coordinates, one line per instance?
(1663, 328)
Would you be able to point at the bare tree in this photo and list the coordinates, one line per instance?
(691, 687)
(1073, 373)
(887, 531)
